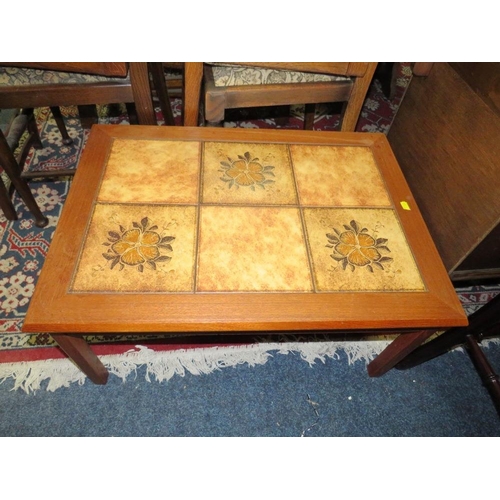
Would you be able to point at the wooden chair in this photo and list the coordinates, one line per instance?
(13, 166)
(243, 85)
(31, 85)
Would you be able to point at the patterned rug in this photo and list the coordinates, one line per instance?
(23, 248)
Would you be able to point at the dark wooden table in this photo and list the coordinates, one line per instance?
(207, 230)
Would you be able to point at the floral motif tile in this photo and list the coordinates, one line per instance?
(338, 176)
(360, 250)
(249, 249)
(148, 171)
(138, 248)
(235, 173)
(266, 218)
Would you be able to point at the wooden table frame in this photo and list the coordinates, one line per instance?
(70, 316)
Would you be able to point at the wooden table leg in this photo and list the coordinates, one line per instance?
(483, 323)
(396, 351)
(82, 355)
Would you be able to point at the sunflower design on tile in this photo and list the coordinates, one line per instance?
(354, 247)
(246, 171)
(138, 247)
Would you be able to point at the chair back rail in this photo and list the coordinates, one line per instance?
(327, 68)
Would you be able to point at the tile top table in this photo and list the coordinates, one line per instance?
(176, 229)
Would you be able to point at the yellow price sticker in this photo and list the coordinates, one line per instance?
(405, 205)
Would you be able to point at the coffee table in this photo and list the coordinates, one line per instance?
(204, 230)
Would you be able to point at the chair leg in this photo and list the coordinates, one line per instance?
(214, 109)
(386, 74)
(160, 86)
(56, 113)
(488, 376)
(281, 115)
(88, 115)
(26, 122)
(193, 76)
(33, 129)
(21, 122)
(132, 113)
(141, 90)
(357, 99)
(12, 169)
(6, 203)
(309, 116)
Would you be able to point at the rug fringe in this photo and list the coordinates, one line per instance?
(163, 365)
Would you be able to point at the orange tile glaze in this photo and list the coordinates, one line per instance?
(338, 176)
(151, 172)
(252, 249)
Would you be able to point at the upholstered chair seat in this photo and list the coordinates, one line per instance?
(231, 75)
(28, 76)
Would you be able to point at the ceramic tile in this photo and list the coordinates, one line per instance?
(248, 173)
(252, 249)
(360, 250)
(250, 235)
(138, 248)
(147, 171)
(338, 176)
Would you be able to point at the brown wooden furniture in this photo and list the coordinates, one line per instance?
(13, 166)
(119, 69)
(445, 137)
(245, 231)
(483, 324)
(122, 83)
(351, 90)
(191, 93)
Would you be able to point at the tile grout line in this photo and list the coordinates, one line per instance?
(198, 215)
(304, 229)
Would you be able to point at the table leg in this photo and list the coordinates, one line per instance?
(396, 351)
(485, 322)
(82, 355)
